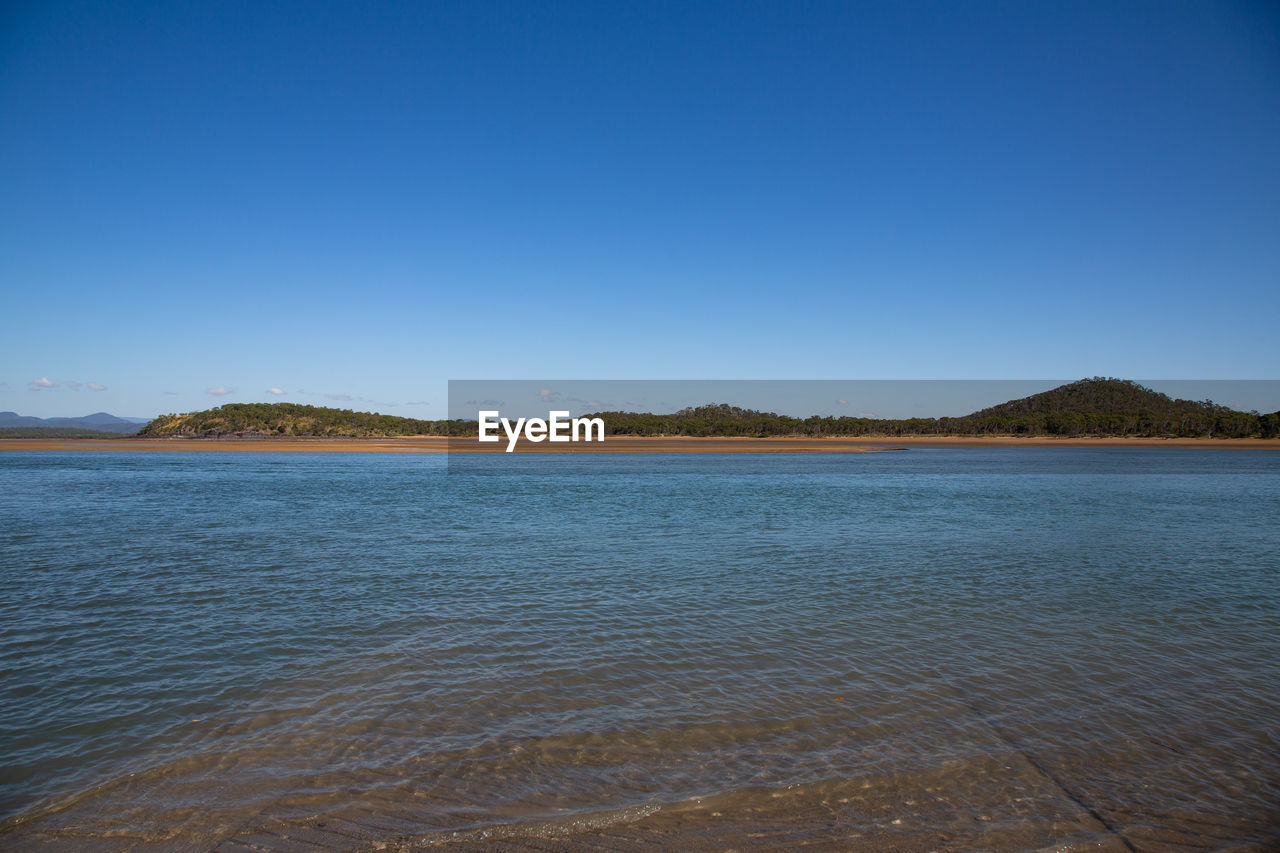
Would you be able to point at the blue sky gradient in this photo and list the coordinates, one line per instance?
(353, 203)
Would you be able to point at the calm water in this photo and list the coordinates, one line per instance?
(940, 648)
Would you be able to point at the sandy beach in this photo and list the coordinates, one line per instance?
(613, 444)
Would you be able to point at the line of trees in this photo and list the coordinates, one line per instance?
(295, 419)
(724, 420)
(1090, 407)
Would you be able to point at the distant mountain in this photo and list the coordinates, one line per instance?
(13, 419)
(104, 419)
(97, 422)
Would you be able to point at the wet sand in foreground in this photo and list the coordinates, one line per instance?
(612, 444)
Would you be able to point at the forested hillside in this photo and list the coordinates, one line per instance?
(1090, 407)
(294, 419)
(1098, 406)
(55, 432)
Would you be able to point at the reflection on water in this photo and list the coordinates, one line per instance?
(944, 648)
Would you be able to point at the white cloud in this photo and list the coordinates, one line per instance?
(842, 402)
(170, 393)
(70, 384)
(340, 397)
(586, 404)
(219, 391)
(548, 395)
(274, 390)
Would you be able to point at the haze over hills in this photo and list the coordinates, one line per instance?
(1090, 407)
(98, 422)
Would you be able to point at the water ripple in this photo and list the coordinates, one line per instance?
(974, 649)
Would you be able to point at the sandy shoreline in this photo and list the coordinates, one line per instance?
(613, 444)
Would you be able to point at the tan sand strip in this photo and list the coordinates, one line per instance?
(613, 444)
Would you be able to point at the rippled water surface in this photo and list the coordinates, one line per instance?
(942, 648)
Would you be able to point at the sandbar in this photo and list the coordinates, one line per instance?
(612, 444)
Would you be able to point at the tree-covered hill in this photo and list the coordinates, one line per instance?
(292, 419)
(1098, 395)
(56, 432)
(1104, 406)
(1090, 407)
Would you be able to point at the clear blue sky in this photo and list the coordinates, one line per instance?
(365, 200)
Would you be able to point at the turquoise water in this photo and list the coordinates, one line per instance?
(946, 647)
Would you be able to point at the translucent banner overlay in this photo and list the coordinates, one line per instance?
(527, 418)
(864, 398)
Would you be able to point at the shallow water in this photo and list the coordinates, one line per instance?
(939, 648)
